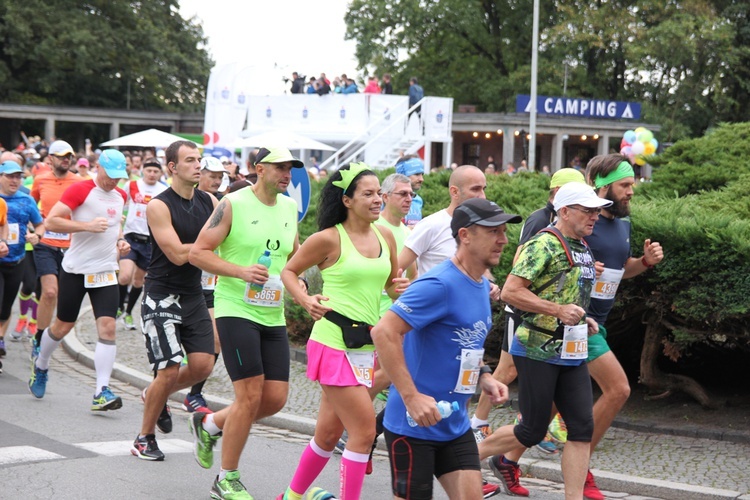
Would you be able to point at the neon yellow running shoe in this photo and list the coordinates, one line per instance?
(558, 430)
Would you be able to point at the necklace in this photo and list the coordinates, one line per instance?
(463, 268)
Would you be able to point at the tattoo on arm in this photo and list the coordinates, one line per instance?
(217, 216)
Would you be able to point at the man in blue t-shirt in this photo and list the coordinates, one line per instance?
(446, 314)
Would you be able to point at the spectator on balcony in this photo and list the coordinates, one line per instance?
(350, 88)
(372, 85)
(312, 86)
(416, 93)
(387, 88)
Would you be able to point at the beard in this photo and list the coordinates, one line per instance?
(619, 208)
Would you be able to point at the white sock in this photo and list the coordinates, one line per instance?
(476, 422)
(104, 362)
(210, 426)
(223, 473)
(46, 348)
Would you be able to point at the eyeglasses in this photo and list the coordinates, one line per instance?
(587, 211)
(404, 194)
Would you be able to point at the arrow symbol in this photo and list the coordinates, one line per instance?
(294, 191)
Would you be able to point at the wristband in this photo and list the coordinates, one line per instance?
(121, 239)
(646, 264)
(484, 369)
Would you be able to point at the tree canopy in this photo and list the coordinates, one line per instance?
(102, 53)
(688, 61)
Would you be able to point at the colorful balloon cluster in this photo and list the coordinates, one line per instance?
(637, 144)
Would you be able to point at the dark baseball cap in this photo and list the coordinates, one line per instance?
(482, 213)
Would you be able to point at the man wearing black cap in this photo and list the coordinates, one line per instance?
(435, 353)
(249, 308)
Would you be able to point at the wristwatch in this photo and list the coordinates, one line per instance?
(484, 369)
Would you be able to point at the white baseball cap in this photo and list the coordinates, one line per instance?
(60, 148)
(212, 164)
(578, 193)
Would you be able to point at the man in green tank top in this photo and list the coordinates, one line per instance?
(249, 308)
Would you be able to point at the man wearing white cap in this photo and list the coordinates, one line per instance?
(212, 173)
(91, 211)
(551, 282)
(247, 224)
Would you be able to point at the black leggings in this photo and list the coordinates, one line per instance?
(539, 385)
(30, 282)
(10, 280)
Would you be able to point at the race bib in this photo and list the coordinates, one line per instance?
(605, 287)
(99, 280)
(13, 233)
(363, 366)
(575, 342)
(51, 235)
(468, 372)
(270, 296)
(208, 281)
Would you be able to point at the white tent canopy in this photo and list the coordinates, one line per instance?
(281, 138)
(151, 138)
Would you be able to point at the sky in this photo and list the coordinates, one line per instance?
(276, 37)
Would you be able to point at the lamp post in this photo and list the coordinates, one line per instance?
(534, 62)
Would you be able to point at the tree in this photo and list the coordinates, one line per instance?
(102, 53)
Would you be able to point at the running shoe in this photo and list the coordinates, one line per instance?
(547, 445)
(229, 488)
(127, 320)
(17, 333)
(558, 430)
(316, 493)
(106, 400)
(195, 402)
(164, 422)
(383, 395)
(489, 489)
(1, 367)
(145, 448)
(34, 350)
(509, 475)
(590, 489)
(203, 442)
(481, 432)
(2, 347)
(38, 382)
(32, 328)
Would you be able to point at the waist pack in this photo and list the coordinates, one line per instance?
(355, 333)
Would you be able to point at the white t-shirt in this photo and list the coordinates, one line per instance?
(93, 252)
(432, 241)
(139, 194)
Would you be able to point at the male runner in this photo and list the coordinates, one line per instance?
(413, 168)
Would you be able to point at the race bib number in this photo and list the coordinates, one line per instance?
(363, 366)
(270, 296)
(575, 342)
(468, 373)
(208, 281)
(605, 287)
(51, 235)
(99, 280)
(13, 233)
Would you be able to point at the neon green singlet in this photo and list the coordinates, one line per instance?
(353, 285)
(256, 227)
(400, 233)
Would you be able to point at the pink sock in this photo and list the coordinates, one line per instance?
(312, 461)
(352, 474)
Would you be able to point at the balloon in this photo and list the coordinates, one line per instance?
(624, 143)
(645, 136)
(627, 151)
(649, 149)
(630, 137)
(640, 161)
(639, 130)
(655, 143)
(638, 148)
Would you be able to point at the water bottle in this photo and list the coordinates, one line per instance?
(263, 260)
(446, 409)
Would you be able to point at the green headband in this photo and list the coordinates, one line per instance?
(347, 176)
(623, 170)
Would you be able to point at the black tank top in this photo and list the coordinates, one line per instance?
(188, 218)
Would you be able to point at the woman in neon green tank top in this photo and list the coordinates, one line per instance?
(357, 260)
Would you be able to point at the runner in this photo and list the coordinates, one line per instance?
(430, 344)
(247, 224)
(91, 211)
(21, 210)
(133, 265)
(173, 311)
(357, 259)
(413, 168)
(47, 189)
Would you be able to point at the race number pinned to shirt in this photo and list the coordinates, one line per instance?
(363, 366)
(468, 373)
(208, 281)
(13, 233)
(51, 235)
(99, 280)
(605, 287)
(270, 296)
(575, 342)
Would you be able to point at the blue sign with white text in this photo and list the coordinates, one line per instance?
(299, 191)
(585, 108)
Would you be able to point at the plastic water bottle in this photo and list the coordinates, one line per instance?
(446, 409)
(263, 260)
